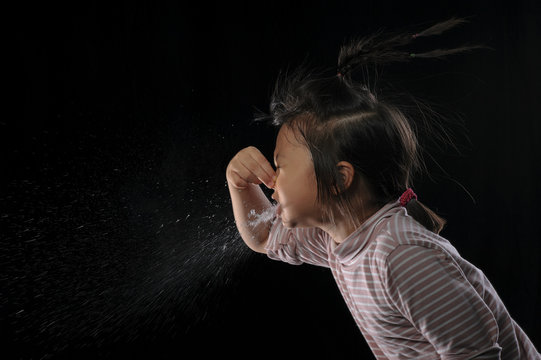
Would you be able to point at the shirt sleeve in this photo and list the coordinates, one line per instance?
(297, 246)
(432, 292)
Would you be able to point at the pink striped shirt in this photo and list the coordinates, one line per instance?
(410, 292)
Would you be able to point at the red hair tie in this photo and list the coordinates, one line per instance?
(407, 196)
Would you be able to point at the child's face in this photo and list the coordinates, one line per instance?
(296, 187)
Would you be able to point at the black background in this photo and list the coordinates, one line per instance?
(117, 235)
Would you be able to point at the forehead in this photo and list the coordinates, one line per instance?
(288, 141)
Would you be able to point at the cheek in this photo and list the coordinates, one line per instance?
(298, 183)
(301, 185)
(286, 185)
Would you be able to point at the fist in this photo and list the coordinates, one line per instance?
(249, 166)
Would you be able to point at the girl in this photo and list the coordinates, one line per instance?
(344, 161)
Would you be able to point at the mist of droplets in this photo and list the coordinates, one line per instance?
(266, 216)
(95, 268)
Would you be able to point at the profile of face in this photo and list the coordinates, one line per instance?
(296, 187)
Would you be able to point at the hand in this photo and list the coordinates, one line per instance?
(249, 166)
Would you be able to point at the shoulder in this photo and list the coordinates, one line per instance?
(405, 230)
(414, 254)
(401, 234)
(411, 265)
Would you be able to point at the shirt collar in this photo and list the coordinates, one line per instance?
(356, 242)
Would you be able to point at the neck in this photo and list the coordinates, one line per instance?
(343, 227)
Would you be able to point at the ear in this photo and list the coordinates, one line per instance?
(347, 173)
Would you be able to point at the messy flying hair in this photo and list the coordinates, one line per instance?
(340, 119)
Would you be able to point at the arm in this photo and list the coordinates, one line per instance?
(430, 290)
(244, 200)
(297, 246)
(245, 171)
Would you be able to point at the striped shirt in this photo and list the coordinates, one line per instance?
(410, 292)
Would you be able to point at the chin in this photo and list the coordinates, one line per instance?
(291, 224)
(288, 223)
(297, 222)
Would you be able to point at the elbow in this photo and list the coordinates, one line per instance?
(257, 246)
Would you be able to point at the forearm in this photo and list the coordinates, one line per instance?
(245, 201)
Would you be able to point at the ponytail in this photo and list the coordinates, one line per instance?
(426, 217)
(381, 49)
(416, 209)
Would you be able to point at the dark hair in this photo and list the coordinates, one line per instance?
(340, 119)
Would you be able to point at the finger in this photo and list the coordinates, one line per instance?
(247, 173)
(244, 173)
(266, 173)
(260, 173)
(238, 181)
(248, 176)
